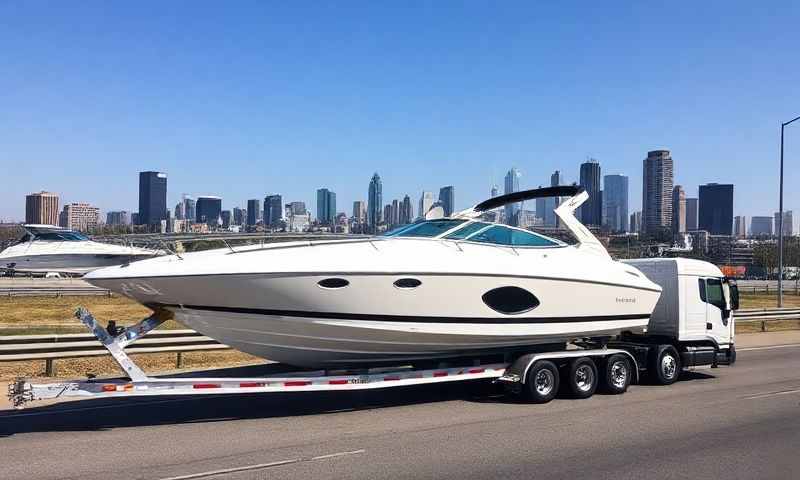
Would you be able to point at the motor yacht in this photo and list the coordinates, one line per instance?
(441, 287)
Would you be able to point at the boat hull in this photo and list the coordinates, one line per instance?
(73, 263)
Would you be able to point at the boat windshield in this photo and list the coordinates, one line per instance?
(65, 236)
(430, 228)
(481, 232)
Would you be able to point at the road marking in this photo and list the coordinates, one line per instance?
(769, 347)
(260, 466)
(772, 394)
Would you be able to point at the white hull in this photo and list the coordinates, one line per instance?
(73, 263)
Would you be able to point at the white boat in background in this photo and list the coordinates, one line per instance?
(48, 249)
(441, 287)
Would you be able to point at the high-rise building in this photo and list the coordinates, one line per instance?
(691, 214)
(120, 217)
(226, 218)
(592, 209)
(179, 211)
(395, 213)
(41, 208)
(636, 222)
(447, 196)
(615, 202)
(761, 226)
(239, 216)
(298, 208)
(426, 201)
(273, 211)
(541, 209)
(374, 202)
(657, 185)
(152, 198)
(494, 191)
(209, 211)
(326, 206)
(715, 209)
(550, 218)
(406, 211)
(740, 226)
(511, 186)
(788, 225)
(387, 214)
(253, 210)
(189, 208)
(678, 210)
(79, 216)
(360, 212)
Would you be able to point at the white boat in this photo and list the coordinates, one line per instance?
(442, 287)
(51, 249)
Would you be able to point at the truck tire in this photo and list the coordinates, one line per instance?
(616, 375)
(582, 379)
(541, 384)
(665, 367)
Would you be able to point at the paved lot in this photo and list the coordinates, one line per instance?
(741, 422)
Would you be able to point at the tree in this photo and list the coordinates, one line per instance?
(765, 255)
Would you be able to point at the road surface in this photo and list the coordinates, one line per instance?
(740, 422)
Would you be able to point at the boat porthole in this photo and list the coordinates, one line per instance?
(333, 283)
(407, 283)
(510, 300)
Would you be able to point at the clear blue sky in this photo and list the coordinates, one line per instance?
(242, 99)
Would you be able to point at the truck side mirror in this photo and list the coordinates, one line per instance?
(734, 293)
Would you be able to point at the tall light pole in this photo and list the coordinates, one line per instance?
(780, 223)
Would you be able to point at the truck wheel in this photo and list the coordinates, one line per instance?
(582, 378)
(616, 374)
(666, 365)
(541, 385)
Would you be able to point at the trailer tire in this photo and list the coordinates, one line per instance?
(582, 379)
(616, 376)
(541, 384)
(665, 367)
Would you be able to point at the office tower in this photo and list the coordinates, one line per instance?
(118, 218)
(374, 202)
(657, 191)
(691, 214)
(636, 222)
(135, 218)
(615, 202)
(550, 218)
(298, 208)
(740, 226)
(152, 198)
(326, 206)
(406, 211)
(426, 201)
(761, 226)
(253, 210)
(79, 216)
(225, 216)
(592, 209)
(715, 208)
(678, 210)
(273, 211)
(360, 211)
(395, 213)
(387, 214)
(208, 211)
(494, 191)
(447, 196)
(511, 186)
(179, 211)
(41, 208)
(788, 225)
(189, 208)
(541, 209)
(239, 216)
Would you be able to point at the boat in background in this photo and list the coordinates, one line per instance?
(442, 287)
(47, 249)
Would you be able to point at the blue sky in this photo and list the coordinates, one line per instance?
(241, 99)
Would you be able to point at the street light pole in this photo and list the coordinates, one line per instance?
(780, 223)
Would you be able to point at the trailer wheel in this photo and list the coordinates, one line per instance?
(616, 374)
(666, 365)
(541, 384)
(582, 378)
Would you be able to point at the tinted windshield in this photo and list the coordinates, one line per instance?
(431, 228)
(61, 236)
(502, 235)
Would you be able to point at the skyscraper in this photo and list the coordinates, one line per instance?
(542, 207)
(209, 210)
(226, 218)
(447, 197)
(395, 213)
(253, 210)
(592, 209)
(678, 210)
(636, 222)
(406, 211)
(425, 203)
(41, 208)
(387, 214)
(152, 198)
(657, 191)
(360, 212)
(494, 191)
(511, 186)
(374, 202)
(691, 214)
(740, 226)
(273, 210)
(715, 212)
(79, 216)
(550, 218)
(615, 202)
(760, 226)
(326, 206)
(788, 225)
(120, 217)
(189, 208)
(239, 216)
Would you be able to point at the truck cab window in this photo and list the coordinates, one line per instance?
(701, 284)
(714, 293)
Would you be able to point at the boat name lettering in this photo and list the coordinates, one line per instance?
(626, 300)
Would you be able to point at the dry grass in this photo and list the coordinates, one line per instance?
(763, 300)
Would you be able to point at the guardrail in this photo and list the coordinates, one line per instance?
(53, 291)
(52, 347)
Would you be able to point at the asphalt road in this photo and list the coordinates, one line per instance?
(740, 422)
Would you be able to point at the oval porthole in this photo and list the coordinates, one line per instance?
(510, 300)
(407, 283)
(333, 283)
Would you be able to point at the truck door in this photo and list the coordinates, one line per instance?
(718, 316)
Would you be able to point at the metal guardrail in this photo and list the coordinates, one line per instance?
(53, 291)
